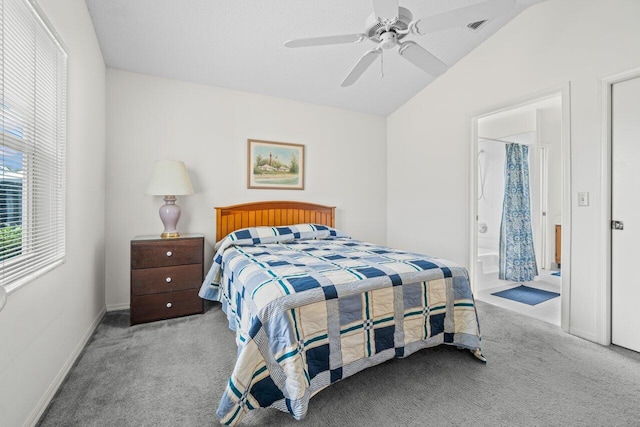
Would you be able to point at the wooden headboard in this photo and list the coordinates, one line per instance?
(232, 218)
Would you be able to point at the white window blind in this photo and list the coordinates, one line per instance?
(32, 154)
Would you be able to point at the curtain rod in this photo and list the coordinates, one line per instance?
(497, 140)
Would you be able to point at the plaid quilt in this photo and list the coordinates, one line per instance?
(311, 306)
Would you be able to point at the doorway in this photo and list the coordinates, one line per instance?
(535, 126)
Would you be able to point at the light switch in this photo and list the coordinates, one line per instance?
(583, 199)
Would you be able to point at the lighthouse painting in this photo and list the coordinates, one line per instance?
(275, 165)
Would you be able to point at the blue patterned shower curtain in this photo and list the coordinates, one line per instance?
(517, 257)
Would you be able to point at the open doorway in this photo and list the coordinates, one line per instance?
(519, 196)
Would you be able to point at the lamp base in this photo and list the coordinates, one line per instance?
(170, 235)
(169, 214)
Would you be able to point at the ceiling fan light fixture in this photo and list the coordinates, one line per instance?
(374, 27)
(388, 40)
(389, 24)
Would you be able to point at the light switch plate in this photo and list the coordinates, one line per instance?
(583, 199)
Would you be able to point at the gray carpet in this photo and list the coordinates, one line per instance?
(172, 373)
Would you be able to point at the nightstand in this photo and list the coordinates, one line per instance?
(166, 275)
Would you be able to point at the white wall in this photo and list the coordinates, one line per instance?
(46, 322)
(150, 118)
(429, 146)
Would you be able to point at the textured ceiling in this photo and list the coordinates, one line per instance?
(238, 44)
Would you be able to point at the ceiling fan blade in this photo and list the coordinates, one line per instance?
(421, 58)
(325, 40)
(464, 16)
(386, 10)
(364, 63)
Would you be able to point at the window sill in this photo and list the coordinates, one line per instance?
(14, 286)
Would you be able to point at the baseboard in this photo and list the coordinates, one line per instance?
(62, 374)
(116, 307)
(584, 335)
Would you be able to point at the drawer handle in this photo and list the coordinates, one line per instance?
(169, 305)
(169, 253)
(168, 280)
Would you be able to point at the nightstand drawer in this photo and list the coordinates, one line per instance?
(148, 254)
(165, 305)
(166, 279)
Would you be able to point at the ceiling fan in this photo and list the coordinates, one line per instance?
(390, 24)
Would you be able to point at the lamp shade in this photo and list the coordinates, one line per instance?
(169, 177)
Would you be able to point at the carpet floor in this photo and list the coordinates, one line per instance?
(172, 373)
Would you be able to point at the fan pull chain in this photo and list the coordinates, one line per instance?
(381, 63)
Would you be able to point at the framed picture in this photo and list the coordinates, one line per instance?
(275, 165)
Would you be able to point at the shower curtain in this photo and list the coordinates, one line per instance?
(517, 257)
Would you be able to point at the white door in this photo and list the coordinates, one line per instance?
(625, 207)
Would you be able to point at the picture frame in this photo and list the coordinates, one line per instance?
(275, 165)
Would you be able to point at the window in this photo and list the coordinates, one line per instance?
(11, 174)
(32, 147)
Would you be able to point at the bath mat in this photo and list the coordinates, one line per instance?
(526, 295)
(557, 273)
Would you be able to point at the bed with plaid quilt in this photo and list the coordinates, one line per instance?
(311, 306)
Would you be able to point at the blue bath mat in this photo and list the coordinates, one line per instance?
(526, 295)
(557, 273)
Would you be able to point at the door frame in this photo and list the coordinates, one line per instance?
(604, 310)
(542, 150)
(564, 90)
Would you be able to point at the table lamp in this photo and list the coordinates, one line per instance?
(169, 179)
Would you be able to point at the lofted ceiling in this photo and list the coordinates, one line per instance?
(238, 44)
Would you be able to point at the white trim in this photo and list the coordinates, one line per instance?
(3, 297)
(603, 311)
(544, 151)
(48, 25)
(567, 186)
(48, 395)
(117, 307)
(520, 102)
(590, 336)
(14, 286)
(473, 203)
(564, 90)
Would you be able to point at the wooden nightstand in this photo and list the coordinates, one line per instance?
(166, 275)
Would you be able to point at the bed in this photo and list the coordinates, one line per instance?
(311, 306)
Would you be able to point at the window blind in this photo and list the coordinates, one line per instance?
(32, 158)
